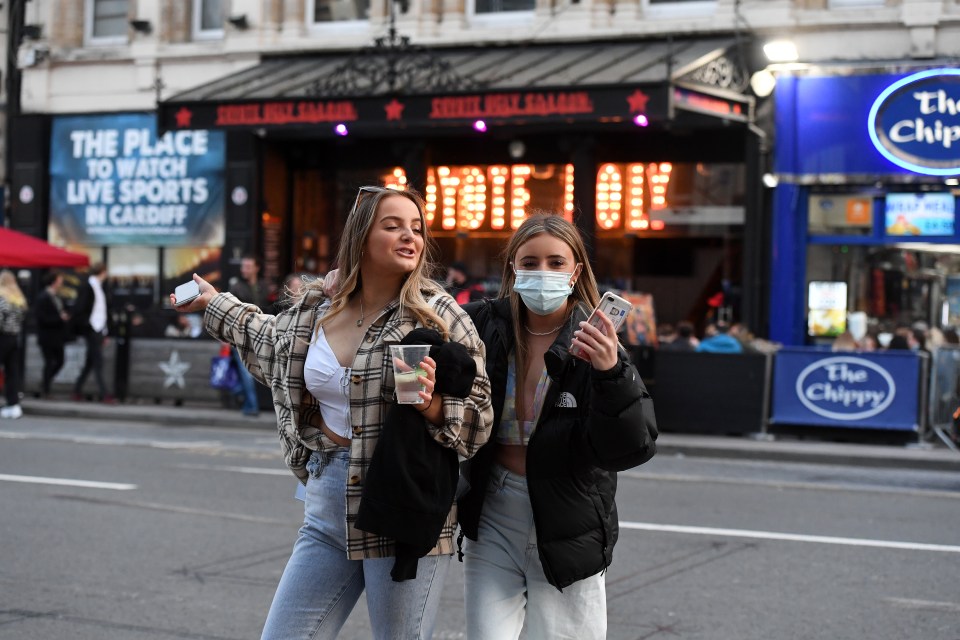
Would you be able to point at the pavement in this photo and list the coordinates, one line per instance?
(921, 456)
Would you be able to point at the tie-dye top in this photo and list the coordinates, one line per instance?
(512, 430)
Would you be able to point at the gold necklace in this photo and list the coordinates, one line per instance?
(360, 321)
(546, 333)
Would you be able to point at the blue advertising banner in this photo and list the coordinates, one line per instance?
(114, 182)
(869, 124)
(877, 390)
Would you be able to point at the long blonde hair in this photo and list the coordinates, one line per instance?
(584, 290)
(349, 254)
(10, 290)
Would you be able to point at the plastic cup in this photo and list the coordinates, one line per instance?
(406, 368)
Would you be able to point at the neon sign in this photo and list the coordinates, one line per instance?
(915, 122)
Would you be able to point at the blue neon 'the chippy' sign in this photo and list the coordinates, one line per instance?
(915, 122)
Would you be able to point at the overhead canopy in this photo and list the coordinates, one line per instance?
(395, 85)
(23, 251)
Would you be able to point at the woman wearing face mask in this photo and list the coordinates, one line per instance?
(538, 506)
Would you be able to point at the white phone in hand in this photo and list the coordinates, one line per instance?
(612, 306)
(186, 292)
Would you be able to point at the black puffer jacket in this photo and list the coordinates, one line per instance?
(592, 425)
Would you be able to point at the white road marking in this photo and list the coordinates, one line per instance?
(791, 537)
(788, 484)
(67, 482)
(193, 445)
(924, 605)
(255, 470)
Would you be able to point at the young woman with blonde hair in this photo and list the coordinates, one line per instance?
(327, 364)
(13, 307)
(538, 506)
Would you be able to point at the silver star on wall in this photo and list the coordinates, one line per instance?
(174, 369)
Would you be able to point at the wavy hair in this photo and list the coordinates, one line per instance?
(10, 290)
(355, 233)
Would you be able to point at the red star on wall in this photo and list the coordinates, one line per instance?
(638, 101)
(394, 110)
(183, 117)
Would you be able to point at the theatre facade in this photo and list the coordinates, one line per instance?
(648, 146)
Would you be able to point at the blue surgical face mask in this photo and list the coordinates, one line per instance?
(543, 292)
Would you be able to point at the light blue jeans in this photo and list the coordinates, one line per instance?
(504, 580)
(320, 585)
(248, 386)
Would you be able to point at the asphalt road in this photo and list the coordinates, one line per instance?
(113, 530)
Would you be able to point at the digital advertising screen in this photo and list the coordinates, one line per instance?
(826, 308)
(920, 214)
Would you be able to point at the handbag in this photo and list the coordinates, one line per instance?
(223, 373)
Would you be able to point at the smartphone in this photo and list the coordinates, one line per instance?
(615, 308)
(186, 292)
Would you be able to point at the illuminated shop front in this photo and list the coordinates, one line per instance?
(865, 211)
(656, 168)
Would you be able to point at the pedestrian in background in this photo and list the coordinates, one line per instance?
(252, 289)
(292, 291)
(684, 339)
(844, 342)
(90, 322)
(13, 307)
(538, 507)
(461, 285)
(52, 321)
(326, 361)
(719, 340)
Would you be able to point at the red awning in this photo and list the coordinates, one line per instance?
(20, 250)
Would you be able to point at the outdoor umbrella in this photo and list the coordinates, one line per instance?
(20, 250)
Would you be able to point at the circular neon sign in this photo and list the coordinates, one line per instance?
(915, 122)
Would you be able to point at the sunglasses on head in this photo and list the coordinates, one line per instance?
(367, 189)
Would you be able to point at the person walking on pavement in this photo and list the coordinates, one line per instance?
(250, 288)
(13, 307)
(325, 360)
(90, 321)
(52, 321)
(538, 503)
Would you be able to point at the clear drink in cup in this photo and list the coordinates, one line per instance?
(406, 361)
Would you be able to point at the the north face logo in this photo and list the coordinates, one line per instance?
(567, 401)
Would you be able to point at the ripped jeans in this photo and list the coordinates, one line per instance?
(320, 585)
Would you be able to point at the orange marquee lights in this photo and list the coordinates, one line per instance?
(568, 192)
(636, 218)
(473, 198)
(431, 198)
(499, 175)
(609, 196)
(658, 175)
(466, 197)
(520, 197)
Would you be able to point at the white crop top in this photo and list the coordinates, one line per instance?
(329, 383)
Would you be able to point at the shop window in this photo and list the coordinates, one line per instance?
(326, 11)
(134, 276)
(207, 19)
(654, 196)
(842, 4)
(835, 214)
(106, 21)
(895, 285)
(667, 8)
(486, 7)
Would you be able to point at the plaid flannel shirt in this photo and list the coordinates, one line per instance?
(274, 349)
